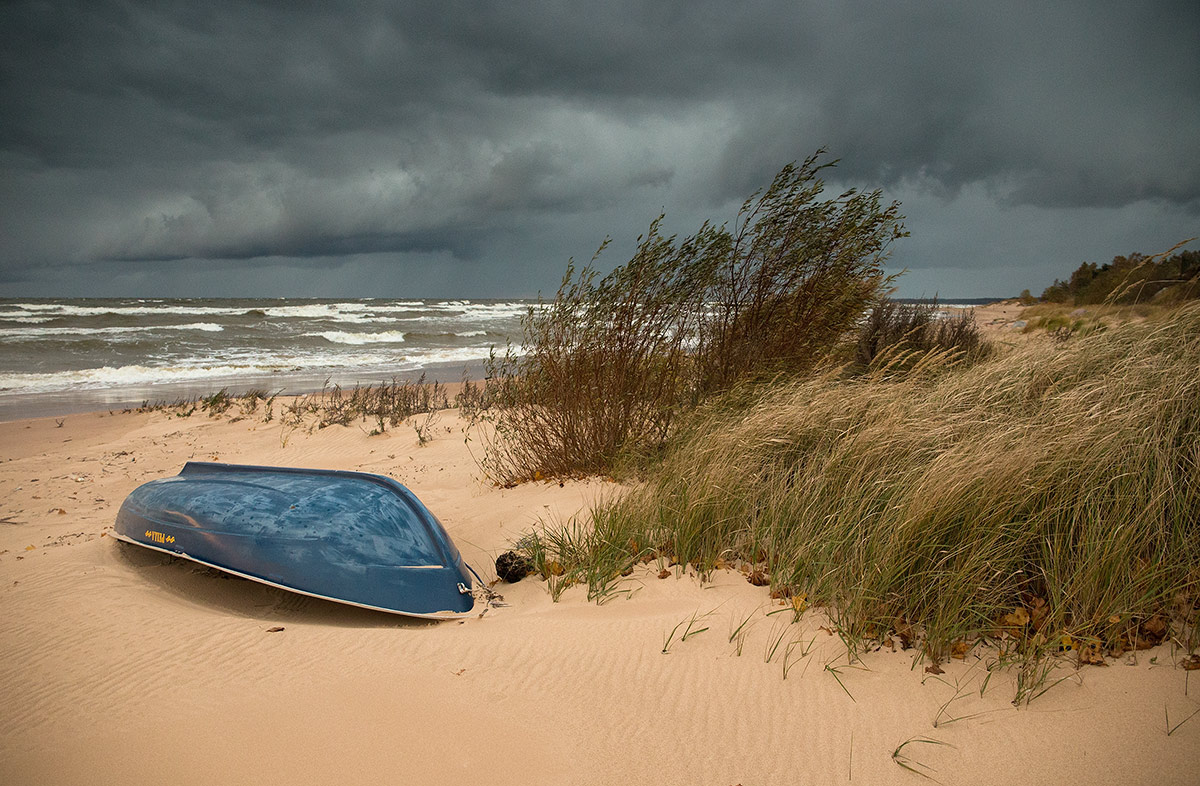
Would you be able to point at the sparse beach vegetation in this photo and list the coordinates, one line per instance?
(382, 406)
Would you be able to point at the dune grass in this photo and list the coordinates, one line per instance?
(384, 405)
(1046, 500)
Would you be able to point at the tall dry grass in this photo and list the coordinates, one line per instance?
(1054, 491)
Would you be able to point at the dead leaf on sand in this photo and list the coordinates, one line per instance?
(1091, 653)
(1191, 662)
(1016, 619)
(664, 574)
(934, 669)
(275, 629)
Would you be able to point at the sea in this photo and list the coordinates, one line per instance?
(69, 355)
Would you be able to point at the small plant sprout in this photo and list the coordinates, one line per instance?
(1171, 729)
(836, 672)
(906, 761)
(739, 633)
(773, 641)
(787, 653)
(690, 628)
(962, 688)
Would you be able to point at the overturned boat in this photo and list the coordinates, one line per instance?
(349, 537)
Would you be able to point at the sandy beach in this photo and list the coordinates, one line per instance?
(126, 666)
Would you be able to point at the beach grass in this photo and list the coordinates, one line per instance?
(384, 405)
(1043, 501)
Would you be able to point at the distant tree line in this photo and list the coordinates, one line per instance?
(1136, 278)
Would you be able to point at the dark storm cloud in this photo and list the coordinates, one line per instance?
(507, 133)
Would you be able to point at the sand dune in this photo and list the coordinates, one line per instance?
(121, 665)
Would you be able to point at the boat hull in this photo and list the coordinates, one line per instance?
(349, 537)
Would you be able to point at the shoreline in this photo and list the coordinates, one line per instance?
(993, 318)
(23, 406)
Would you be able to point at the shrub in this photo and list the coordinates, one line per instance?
(899, 334)
(611, 362)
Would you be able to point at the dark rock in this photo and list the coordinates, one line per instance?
(512, 567)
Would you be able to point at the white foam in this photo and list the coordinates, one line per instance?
(402, 305)
(120, 376)
(481, 310)
(35, 333)
(61, 310)
(459, 354)
(342, 337)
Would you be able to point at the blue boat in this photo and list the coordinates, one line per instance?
(349, 537)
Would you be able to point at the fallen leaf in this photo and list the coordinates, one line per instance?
(1016, 619)
(1091, 653)
(934, 669)
(758, 579)
(1191, 662)
(30, 547)
(1156, 627)
(664, 574)
(959, 650)
(275, 629)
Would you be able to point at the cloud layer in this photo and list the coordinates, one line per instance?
(498, 139)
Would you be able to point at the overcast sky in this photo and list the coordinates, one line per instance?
(469, 149)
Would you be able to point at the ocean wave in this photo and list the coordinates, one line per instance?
(120, 376)
(471, 333)
(280, 367)
(385, 308)
(342, 337)
(27, 320)
(42, 332)
(64, 310)
(456, 355)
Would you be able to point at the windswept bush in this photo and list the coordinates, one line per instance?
(611, 362)
(899, 334)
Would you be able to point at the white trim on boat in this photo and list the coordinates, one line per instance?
(435, 615)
